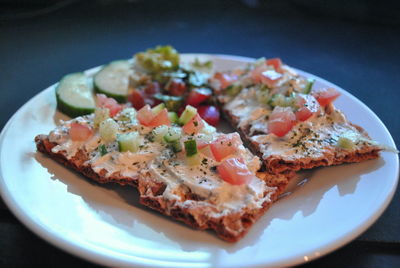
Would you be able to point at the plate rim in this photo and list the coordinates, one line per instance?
(102, 259)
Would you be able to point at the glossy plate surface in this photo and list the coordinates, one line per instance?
(107, 225)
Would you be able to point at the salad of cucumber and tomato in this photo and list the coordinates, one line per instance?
(154, 76)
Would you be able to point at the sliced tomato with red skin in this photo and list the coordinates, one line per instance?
(145, 115)
(113, 106)
(225, 79)
(194, 125)
(281, 121)
(152, 88)
(276, 62)
(159, 119)
(176, 87)
(234, 171)
(79, 132)
(209, 113)
(201, 144)
(198, 95)
(326, 95)
(225, 145)
(307, 106)
(137, 99)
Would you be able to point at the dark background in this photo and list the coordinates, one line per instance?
(354, 44)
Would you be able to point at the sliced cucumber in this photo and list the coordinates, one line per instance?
(100, 114)
(113, 80)
(129, 142)
(159, 133)
(173, 135)
(193, 160)
(173, 117)
(74, 95)
(309, 85)
(187, 114)
(108, 130)
(345, 143)
(158, 108)
(190, 147)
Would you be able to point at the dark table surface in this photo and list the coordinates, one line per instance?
(357, 50)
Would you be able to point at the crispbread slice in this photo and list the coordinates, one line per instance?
(329, 154)
(192, 209)
(314, 141)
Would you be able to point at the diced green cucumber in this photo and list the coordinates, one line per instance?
(100, 114)
(127, 114)
(187, 114)
(108, 130)
(172, 103)
(74, 95)
(176, 146)
(345, 143)
(174, 134)
(190, 147)
(102, 149)
(113, 80)
(309, 85)
(159, 133)
(233, 90)
(158, 108)
(129, 142)
(193, 160)
(281, 100)
(173, 117)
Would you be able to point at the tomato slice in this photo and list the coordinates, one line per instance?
(145, 115)
(152, 88)
(225, 79)
(307, 106)
(277, 63)
(79, 132)
(326, 95)
(176, 87)
(136, 98)
(198, 95)
(161, 118)
(209, 113)
(234, 171)
(103, 101)
(281, 121)
(225, 145)
(194, 125)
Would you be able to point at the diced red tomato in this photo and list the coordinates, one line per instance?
(326, 95)
(160, 119)
(145, 115)
(281, 121)
(79, 132)
(152, 88)
(201, 144)
(176, 87)
(198, 95)
(136, 98)
(277, 63)
(103, 101)
(307, 106)
(194, 125)
(225, 79)
(234, 171)
(266, 76)
(209, 113)
(225, 145)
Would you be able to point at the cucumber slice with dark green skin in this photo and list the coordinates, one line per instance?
(113, 80)
(74, 95)
(190, 147)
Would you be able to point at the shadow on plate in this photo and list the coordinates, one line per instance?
(119, 206)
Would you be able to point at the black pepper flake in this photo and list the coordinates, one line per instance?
(213, 168)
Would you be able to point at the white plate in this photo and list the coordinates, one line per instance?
(106, 225)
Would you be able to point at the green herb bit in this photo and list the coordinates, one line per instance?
(102, 149)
